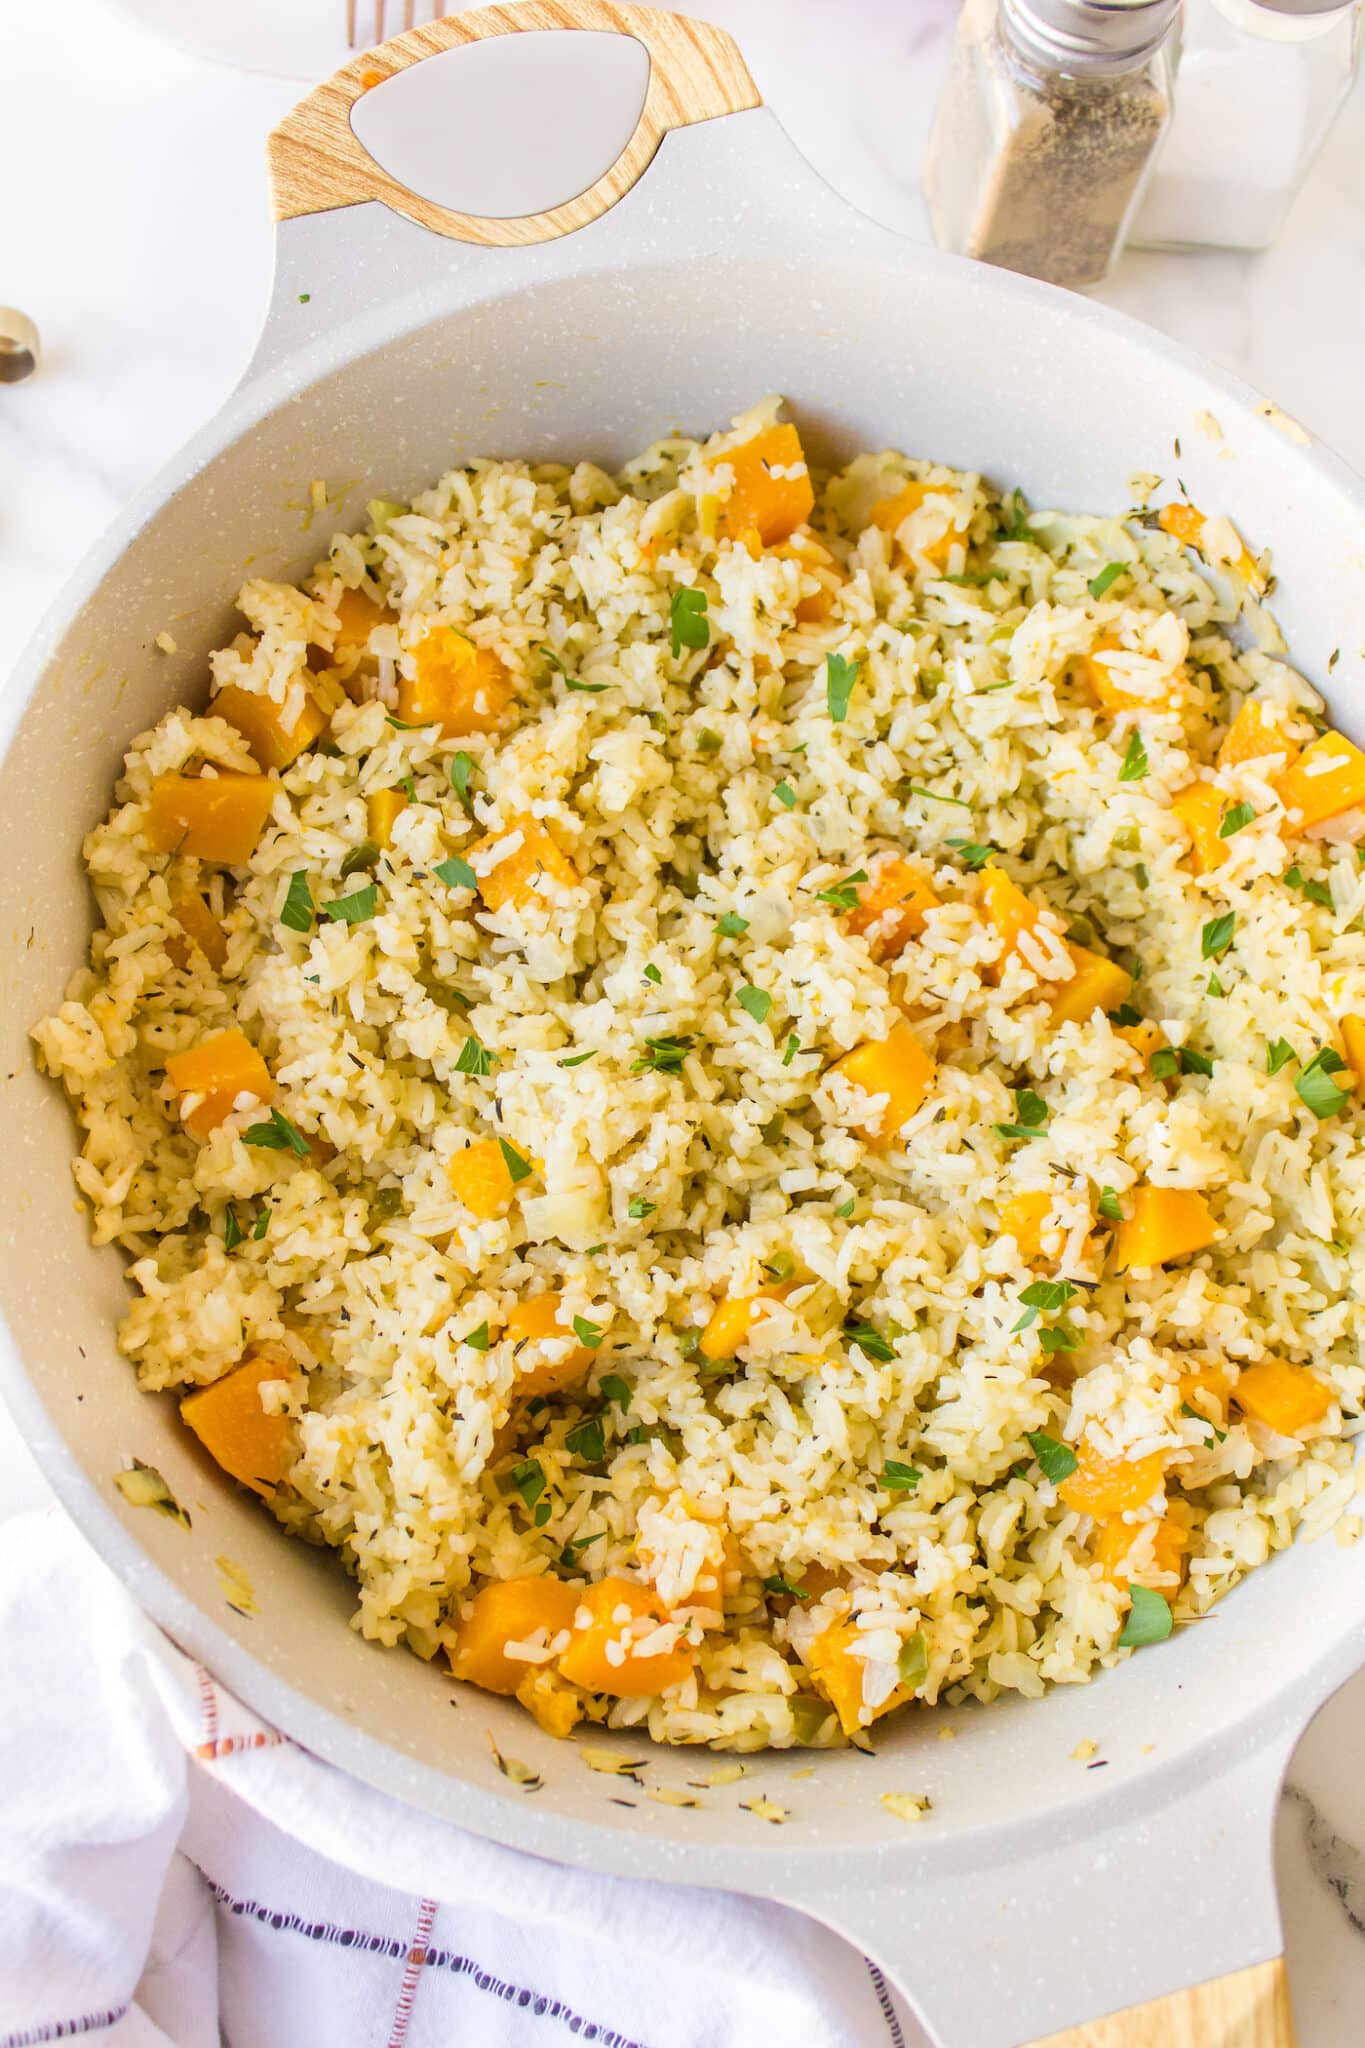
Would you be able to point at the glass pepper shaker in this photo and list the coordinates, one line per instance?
(1046, 126)
(1261, 82)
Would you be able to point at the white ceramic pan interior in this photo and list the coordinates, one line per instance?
(634, 246)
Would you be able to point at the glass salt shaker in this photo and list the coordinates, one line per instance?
(1045, 130)
(1261, 82)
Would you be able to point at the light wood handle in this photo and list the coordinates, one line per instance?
(317, 162)
(1249, 2009)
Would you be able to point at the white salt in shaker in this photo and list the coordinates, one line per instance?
(1045, 131)
(1260, 83)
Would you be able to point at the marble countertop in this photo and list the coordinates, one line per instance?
(136, 236)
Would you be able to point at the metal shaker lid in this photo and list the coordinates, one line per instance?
(1092, 34)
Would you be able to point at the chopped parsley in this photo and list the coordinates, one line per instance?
(363, 856)
(687, 625)
(262, 1223)
(355, 908)
(1195, 1416)
(1316, 892)
(785, 795)
(588, 689)
(1164, 1063)
(1108, 576)
(1059, 1340)
(587, 1441)
(936, 796)
(783, 1586)
(973, 853)
(475, 1058)
(1192, 1062)
(1125, 1017)
(639, 1209)
(840, 677)
(843, 895)
(279, 1135)
(461, 768)
(1135, 762)
(1017, 526)
(477, 1340)
(578, 1059)
(1031, 1117)
(756, 1001)
(519, 1168)
(1056, 1460)
(529, 1480)
(898, 1478)
(1149, 1619)
(652, 974)
(456, 873)
(732, 925)
(1315, 1086)
(1042, 1297)
(615, 1389)
(568, 1556)
(297, 912)
(871, 1342)
(1215, 986)
(845, 1209)
(662, 1056)
(1216, 936)
(232, 1229)
(1236, 820)
(1278, 1054)
(1108, 1206)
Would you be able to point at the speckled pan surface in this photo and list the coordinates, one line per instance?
(728, 271)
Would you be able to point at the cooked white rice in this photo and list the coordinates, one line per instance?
(685, 787)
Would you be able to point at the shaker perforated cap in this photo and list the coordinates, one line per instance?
(1092, 34)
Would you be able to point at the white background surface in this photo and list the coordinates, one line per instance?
(133, 229)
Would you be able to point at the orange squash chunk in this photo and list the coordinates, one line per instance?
(210, 817)
(897, 1067)
(1286, 1398)
(1166, 1224)
(357, 616)
(1008, 909)
(772, 492)
(601, 1655)
(1255, 735)
(480, 1179)
(553, 1704)
(1145, 1038)
(381, 808)
(458, 685)
(1114, 1539)
(1327, 779)
(1200, 808)
(1186, 524)
(1206, 1390)
(891, 513)
(219, 1069)
(198, 927)
(734, 1317)
(535, 1322)
(520, 875)
(252, 1447)
(838, 1676)
(509, 1611)
(1353, 1044)
(260, 721)
(1097, 984)
(1023, 1216)
(892, 905)
(1109, 693)
(1111, 1486)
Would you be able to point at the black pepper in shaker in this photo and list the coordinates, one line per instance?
(1045, 131)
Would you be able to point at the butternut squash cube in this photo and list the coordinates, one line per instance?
(522, 875)
(1353, 1044)
(1008, 910)
(460, 686)
(220, 1069)
(1023, 1218)
(897, 1067)
(509, 1611)
(1205, 1389)
(839, 1675)
(892, 513)
(1286, 1398)
(602, 1657)
(260, 721)
(357, 615)
(1144, 1037)
(381, 808)
(1097, 984)
(734, 1317)
(892, 905)
(1166, 1224)
(1111, 1486)
(772, 492)
(480, 1178)
(252, 1447)
(1256, 735)
(1186, 523)
(1113, 1543)
(531, 1324)
(1327, 779)
(198, 928)
(1200, 807)
(553, 1704)
(1109, 691)
(209, 817)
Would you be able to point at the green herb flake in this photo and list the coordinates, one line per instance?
(1135, 763)
(587, 1333)
(785, 795)
(898, 1478)
(1192, 1062)
(653, 974)
(1278, 1054)
(1215, 986)
(1216, 936)
(1236, 820)
(462, 766)
(587, 1441)
(1164, 1063)
(1315, 1086)
(973, 853)
(475, 1058)
(1149, 1619)
(871, 1342)
(843, 895)
(578, 1059)
(615, 1389)
(639, 1209)
(709, 742)
(793, 1048)
(784, 1588)
(519, 1168)
(687, 624)
(568, 1556)
(840, 677)
(1195, 1416)
(1108, 576)
(363, 856)
(662, 1056)
(912, 1665)
(936, 796)
(232, 1229)
(355, 908)
(529, 1480)
(1056, 1460)
(588, 689)
(297, 912)
(477, 1340)
(262, 1223)
(1108, 1206)
(756, 1001)
(732, 925)
(1125, 1017)
(1059, 1340)
(279, 1135)
(456, 873)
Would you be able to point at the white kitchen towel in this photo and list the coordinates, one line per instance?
(173, 1871)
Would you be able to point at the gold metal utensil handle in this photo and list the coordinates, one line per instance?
(1249, 2009)
(317, 162)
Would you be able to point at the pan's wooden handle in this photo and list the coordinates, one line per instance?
(1249, 2009)
(317, 162)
